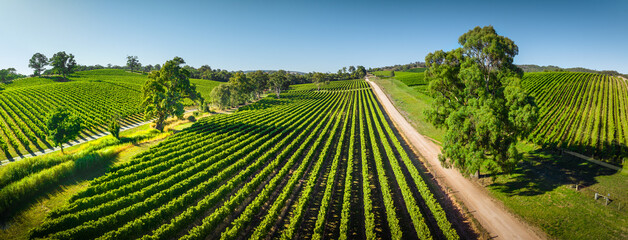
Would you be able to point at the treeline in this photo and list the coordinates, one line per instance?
(244, 87)
(9, 74)
(550, 68)
(398, 67)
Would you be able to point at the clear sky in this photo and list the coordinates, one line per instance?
(308, 35)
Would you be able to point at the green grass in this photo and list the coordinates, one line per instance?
(416, 70)
(541, 191)
(409, 78)
(412, 105)
(32, 212)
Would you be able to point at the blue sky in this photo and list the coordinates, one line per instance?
(308, 35)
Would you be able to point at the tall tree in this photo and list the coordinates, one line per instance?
(259, 79)
(221, 96)
(278, 81)
(63, 64)
(318, 79)
(63, 126)
(479, 101)
(164, 91)
(132, 62)
(38, 62)
(351, 69)
(359, 73)
(242, 87)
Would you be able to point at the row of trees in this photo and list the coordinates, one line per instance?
(61, 62)
(243, 87)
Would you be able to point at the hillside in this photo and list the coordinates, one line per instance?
(94, 96)
(585, 112)
(316, 154)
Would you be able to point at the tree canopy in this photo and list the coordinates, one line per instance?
(63, 63)
(37, 63)
(478, 99)
(277, 81)
(318, 79)
(132, 62)
(63, 126)
(164, 91)
(221, 96)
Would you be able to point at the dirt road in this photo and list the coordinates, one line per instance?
(500, 223)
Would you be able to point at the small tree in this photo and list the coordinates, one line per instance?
(63, 126)
(164, 91)
(277, 81)
(132, 62)
(114, 127)
(38, 62)
(392, 73)
(63, 64)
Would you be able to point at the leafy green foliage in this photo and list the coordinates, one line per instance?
(479, 100)
(63, 126)
(114, 127)
(38, 62)
(63, 64)
(277, 81)
(221, 96)
(164, 90)
(132, 62)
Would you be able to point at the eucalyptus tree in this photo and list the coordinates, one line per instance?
(478, 99)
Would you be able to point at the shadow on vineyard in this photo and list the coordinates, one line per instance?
(546, 170)
(60, 78)
(84, 168)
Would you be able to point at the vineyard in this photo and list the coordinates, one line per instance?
(312, 164)
(584, 112)
(95, 96)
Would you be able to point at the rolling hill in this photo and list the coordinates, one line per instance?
(94, 96)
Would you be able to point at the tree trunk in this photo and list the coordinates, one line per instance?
(277, 91)
(159, 123)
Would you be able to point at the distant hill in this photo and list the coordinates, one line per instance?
(550, 68)
(272, 71)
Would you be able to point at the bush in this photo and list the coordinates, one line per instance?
(191, 118)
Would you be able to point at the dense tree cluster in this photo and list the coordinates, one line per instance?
(9, 74)
(244, 87)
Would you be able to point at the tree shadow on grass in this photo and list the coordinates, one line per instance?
(83, 171)
(543, 171)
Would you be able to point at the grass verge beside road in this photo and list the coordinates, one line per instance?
(542, 189)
